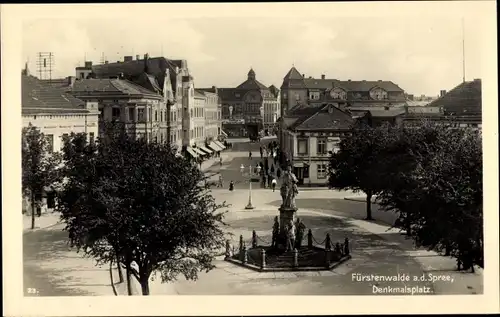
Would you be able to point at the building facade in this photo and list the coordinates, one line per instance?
(247, 109)
(140, 111)
(161, 75)
(55, 114)
(297, 89)
(313, 132)
(213, 113)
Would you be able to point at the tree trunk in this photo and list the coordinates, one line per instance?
(120, 273)
(129, 280)
(369, 205)
(145, 285)
(32, 211)
(111, 278)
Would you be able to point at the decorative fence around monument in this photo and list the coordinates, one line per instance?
(310, 253)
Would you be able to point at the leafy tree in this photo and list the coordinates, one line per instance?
(357, 164)
(40, 167)
(139, 204)
(439, 190)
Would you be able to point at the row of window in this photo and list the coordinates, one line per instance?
(50, 140)
(321, 146)
(159, 115)
(198, 132)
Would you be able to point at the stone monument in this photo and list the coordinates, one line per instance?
(288, 208)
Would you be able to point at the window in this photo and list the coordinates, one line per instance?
(156, 115)
(91, 137)
(50, 142)
(321, 148)
(131, 114)
(150, 117)
(140, 115)
(322, 170)
(115, 113)
(302, 146)
(314, 95)
(191, 113)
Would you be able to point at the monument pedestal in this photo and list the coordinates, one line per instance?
(286, 215)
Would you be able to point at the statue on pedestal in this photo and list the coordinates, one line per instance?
(289, 189)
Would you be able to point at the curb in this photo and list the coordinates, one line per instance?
(27, 230)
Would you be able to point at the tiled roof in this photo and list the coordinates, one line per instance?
(293, 79)
(119, 86)
(133, 70)
(38, 95)
(293, 73)
(302, 110)
(328, 117)
(199, 93)
(350, 85)
(464, 98)
(250, 84)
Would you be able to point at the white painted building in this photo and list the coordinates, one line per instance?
(311, 133)
(55, 114)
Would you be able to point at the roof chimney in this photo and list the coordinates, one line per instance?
(442, 93)
(304, 75)
(146, 63)
(323, 76)
(88, 64)
(214, 89)
(71, 80)
(127, 58)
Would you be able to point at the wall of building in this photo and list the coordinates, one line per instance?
(56, 125)
(198, 121)
(212, 116)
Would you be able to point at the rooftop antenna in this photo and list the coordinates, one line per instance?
(463, 50)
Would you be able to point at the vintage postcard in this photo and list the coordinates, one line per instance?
(250, 158)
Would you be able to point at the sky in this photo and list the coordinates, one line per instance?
(421, 53)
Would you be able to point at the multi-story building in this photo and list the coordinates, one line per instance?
(157, 74)
(56, 114)
(140, 111)
(213, 113)
(245, 107)
(312, 133)
(297, 89)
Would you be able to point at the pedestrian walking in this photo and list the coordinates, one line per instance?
(272, 169)
(220, 161)
(221, 183)
(261, 152)
(249, 155)
(231, 186)
(273, 184)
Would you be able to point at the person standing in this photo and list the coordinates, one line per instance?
(220, 161)
(273, 184)
(250, 154)
(261, 152)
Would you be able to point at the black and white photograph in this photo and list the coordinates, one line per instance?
(292, 149)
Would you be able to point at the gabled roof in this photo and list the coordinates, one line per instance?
(464, 98)
(350, 85)
(328, 117)
(117, 86)
(293, 73)
(251, 84)
(38, 97)
(199, 93)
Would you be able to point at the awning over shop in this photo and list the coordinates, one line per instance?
(219, 144)
(215, 147)
(191, 152)
(198, 151)
(300, 164)
(201, 147)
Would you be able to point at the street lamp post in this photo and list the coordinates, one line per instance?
(242, 168)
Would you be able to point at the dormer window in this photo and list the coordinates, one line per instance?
(378, 93)
(338, 93)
